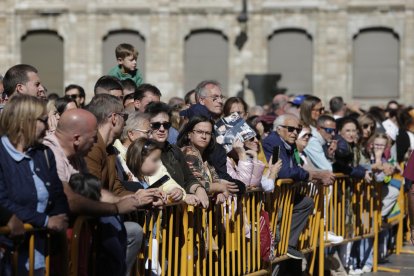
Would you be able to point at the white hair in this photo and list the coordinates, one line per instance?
(281, 120)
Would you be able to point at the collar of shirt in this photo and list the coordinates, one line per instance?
(287, 146)
(12, 151)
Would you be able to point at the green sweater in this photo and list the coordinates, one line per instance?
(135, 76)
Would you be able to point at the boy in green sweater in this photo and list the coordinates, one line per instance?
(126, 56)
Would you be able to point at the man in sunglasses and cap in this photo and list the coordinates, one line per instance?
(286, 129)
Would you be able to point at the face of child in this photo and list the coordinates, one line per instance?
(380, 144)
(129, 63)
(151, 163)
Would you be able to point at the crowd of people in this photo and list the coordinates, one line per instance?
(126, 150)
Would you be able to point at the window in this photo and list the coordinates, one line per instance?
(291, 55)
(205, 58)
(44, 50)
(376, 64)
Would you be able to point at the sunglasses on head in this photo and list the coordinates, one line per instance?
(292, 129)
(157, 125)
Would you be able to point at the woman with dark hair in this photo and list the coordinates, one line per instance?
(197, 141)
(346, 157)
(65, 103)
(236, 104)
(310, 110)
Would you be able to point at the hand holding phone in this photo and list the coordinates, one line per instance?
(275, 156)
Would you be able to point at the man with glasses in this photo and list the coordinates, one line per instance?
(208, 93)
(286, 131)
(321, 147)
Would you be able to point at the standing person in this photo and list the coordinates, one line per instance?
(29, 183)
(126, 57)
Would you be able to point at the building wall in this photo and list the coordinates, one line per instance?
(164, 24)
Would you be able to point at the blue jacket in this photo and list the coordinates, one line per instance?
(17, 188)
(290, 169)
(344, 160)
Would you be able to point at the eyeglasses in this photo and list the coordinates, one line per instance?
(292, 129)
(307, 135)
(157, 125)
(365, 126)
(123, 115)
(73, 96)
(43, 119)
(200, 132)
(320, 110)
(216, 98)
(329, 130)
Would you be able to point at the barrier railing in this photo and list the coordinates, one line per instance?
(31, 235)
(225, 238)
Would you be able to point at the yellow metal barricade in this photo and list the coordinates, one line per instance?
(30, 236)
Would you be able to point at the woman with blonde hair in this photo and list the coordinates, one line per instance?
(29, 183)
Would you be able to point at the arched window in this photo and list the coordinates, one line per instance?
(376, 56)
(44, 50)
(291, 55)
(206, 58)
(113, 39)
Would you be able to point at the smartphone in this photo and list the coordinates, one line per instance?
(160, 181)
(276, 152)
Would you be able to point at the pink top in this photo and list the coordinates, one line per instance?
(249, 172)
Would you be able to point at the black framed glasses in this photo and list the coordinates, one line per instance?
(200, 132)
(292, 129)
(157, 125)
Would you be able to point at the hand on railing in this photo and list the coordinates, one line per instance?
(148, 196)
(368, 176)
(230, 187)
(191, 200)
(16, 227)
(175, 195)
(58, 223)
(200, 192)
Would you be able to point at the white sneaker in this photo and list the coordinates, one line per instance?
(332, 238)
(366, 269)
(355, 271)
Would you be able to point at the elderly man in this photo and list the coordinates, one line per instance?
(286, 130)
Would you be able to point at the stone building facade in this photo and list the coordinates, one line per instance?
(166, 25)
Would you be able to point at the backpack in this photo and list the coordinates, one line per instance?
(267, 242)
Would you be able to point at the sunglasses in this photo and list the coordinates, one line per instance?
(320, 110)
(292, 129)
(366, 126)
(73, 96)
(157, 125)
(329, 130)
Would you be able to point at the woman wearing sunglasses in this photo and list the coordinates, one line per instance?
(171, 156)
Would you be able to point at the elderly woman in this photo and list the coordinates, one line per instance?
(137, 126)
(29, 183)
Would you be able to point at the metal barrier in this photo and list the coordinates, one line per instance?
(225, 238)
(31, 237)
